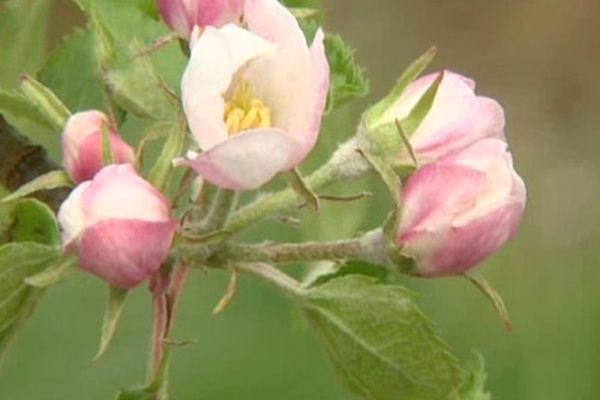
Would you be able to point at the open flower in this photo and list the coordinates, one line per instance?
(457, 118)
(461, 209)
(183, 15)
(254, 98)
(82, 145)
(119, 225)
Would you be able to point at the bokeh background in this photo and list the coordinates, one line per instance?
(540, 59)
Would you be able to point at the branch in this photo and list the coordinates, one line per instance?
(21, 161)
(370, 248)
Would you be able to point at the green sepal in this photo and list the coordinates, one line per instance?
(160, 173)
(389, 136)
(408, 76)
(45, 101)
(51, 180)
(297, 183)
(493, 296)
(114, 307)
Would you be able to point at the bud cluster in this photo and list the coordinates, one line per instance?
(253, 95)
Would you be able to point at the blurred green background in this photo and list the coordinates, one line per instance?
(539, 59)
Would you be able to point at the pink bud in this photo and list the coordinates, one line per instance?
(460, 209)
(82, 145)
(183, 15)
(119, 225)
(457, 119)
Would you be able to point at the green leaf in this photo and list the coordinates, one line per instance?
(72, 73)
(377, 272)
(23, 26)
(26, 118)
(28, 220)
(51, 180)
(135, 394)
(136, 83)
(45, 101)
(348, 80)
(116, 301)
(18, 300)
(408, 76)
(381, 345)
(473, 387)
(53, 274)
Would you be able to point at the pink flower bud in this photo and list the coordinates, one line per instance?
(457, 119)
(183, 15)
(82, 145)
(119, 225)
(460, 209)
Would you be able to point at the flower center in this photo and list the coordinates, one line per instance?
(244, 112)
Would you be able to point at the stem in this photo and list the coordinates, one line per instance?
(222, 207)
(345, 164)
(166, 288)
(370, 248)
(272, 275)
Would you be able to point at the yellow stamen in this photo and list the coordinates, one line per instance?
(243, 112)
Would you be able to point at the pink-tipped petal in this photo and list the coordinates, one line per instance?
(247, 161)
(465, 246)
(452, 84)
(90, 155)
(71, 217)
(283, 79)
(436, 194)
(216, 57)
(455, 122)
(177, 16)
(217, 12)
(119, 192)
(125, 252)
(307, 127)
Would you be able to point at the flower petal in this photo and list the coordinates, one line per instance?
(283, 79)
(307, 125)
(125, 252)
(247, 161)
(71, 217)
(216, 57)
(455, 122)
(118, 192)
(452, 84)
(434, 195)
(465, 246)
(217, 12)
(90, 156)
(177, 16)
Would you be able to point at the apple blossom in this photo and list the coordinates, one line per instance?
(82, 145)
(183, 15)
(458, 118)
(460, 209)
(119, 225)
(254, 97)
